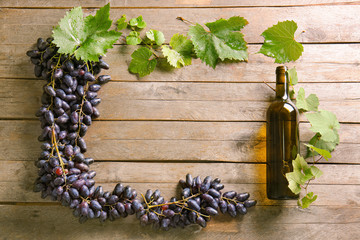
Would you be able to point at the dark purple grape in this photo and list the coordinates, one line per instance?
(201, 221)
(98, 192)
(218, 187)
(153, 217)
(60, 93)
(95, 101)
(33, 53)
(127, 192)
(186, 192)
(41, 44)
(87, 108)
(165, 224)
(89, 77)
(103, 64)
(83, 130)
(144, 220)
(88, 161)
(87, 120)
(128, 208)
(94, 87)
(250, 203)
(242, 196)
(229, 194)
(80, 90)
(74, 117)
(78, 183)
(49, 116)
(35, 61)
(38, 70)
(189, 180)
(90, 95)
(103, 79)
(241, 208)
(197, 182)
(211, 211)
(74, 193)
(231, 210)
(223, 206)
(103, 216)
(58, 73)
(81, 143)
(68, 80)
(169, 213)
(156, 194)
(96, 113)
(214, 193)
(113, 199)
(137, 206)
(69, 66)
(120, 207)
(84, 191)
(193, 205)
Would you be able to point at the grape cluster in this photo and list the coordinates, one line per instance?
(68, 107)
(199, 201)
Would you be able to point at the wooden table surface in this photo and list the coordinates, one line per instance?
(154, 130)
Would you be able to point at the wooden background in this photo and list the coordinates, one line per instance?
(154, 130)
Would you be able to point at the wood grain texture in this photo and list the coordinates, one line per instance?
(331, 24)
(169, 3)
(197, 120)
(319, 63)
(165, 172)
(267, 222)
(183, 101)
(328, 195)
(170, 141)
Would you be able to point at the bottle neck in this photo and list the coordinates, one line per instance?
(282, 85)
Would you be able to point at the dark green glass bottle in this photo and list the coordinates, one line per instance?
(282, 139)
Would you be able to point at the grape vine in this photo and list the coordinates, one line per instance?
(68, 107)
(71, 62)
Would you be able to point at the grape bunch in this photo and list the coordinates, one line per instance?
(68, 107)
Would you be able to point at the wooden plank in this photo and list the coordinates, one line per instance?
(268, 222)
(319, 63)
(183, 101)
(166, 172)
(169, 3)
(328, 195)
(324, 27)
(170, 141)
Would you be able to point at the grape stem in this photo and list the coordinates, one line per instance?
(58, 153)
(185, 20)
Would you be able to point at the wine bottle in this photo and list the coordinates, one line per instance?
(282, 139)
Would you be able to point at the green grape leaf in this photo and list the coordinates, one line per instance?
(319, 143)
(86, 38)
(223, 41)
(326, 154)
(137, 22)
(133, 38)
(300, 175)
(316, 172)
(310, 103)
(141, 62)
(279, 42)
(325, 123)
(180, 54)
(292, 76)
(70, 32)
(121, 23)
(307, 200)
(155, 36)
